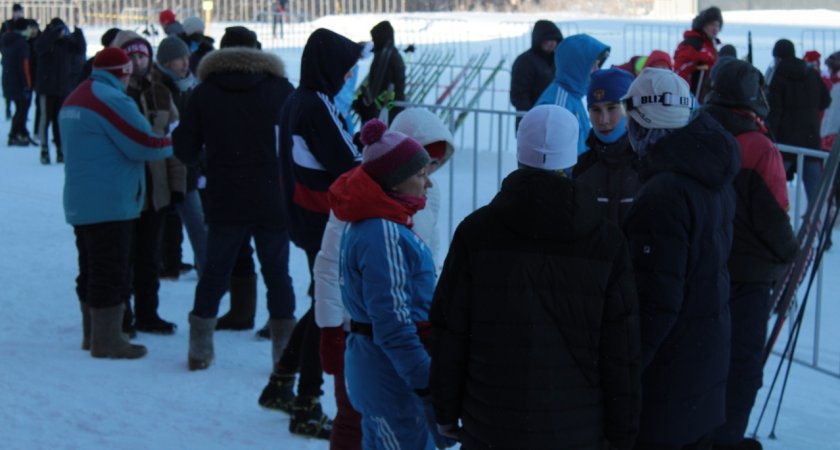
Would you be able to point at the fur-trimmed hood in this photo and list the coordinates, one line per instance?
(240, 60)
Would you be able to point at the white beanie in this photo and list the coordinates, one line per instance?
(547, 138)
(193, 25)
(659, 99)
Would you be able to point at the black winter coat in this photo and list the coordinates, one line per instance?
(180, 99)
(533, 70)
(797, 95)
(386, 69)
(680, 234)
(535, 323)
(234, 114)
(15, 50)
(58, 60)
(611, 171)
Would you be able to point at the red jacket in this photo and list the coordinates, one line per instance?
(696, 49)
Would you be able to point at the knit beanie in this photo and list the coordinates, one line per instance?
(659, 99)
(658, 58)
(114, 61)
(812, 57)
(784, 49)
(171, 47)
(136, 46)
(166, 17)
(193, 25)
(108, 37)
(390, 157)
(547, 138)
(239, 36)
(17, 8)
(608, 85)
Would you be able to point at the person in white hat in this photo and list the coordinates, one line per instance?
(535, 315)
(680, 234)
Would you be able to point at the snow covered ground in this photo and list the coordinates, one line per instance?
(53, 395)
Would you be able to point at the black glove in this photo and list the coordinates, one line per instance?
(176, 198)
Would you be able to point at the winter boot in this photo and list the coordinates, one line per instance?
(243, 304)
(308, 419)
(281, 332)
(59, 155)
(264, 332)
(16, 141)
(128, 322)
(106, 337)
(45, 156)
(746, 444)
(279, 392)
(201, 342)
(155, 325)
(85, 326)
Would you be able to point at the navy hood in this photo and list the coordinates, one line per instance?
(544, 30)
(327, 57)
(573, 59)
(382, 35)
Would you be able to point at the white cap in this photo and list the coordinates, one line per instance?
(659, 99)
(548, 138)
(192, 25)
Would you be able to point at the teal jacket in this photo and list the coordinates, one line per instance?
(106, 141)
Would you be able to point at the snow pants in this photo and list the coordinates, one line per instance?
(104, 251)
(396, 433)
(346, 431)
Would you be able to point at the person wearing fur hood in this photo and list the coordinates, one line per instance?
(167, 186)
(330, 315)
(232, 117)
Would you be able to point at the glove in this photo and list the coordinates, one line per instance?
(332, 349)
(441, 440)
(176, 198)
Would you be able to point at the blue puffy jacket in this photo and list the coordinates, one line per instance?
(106, 141)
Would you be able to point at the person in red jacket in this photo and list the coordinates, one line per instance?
(697, 53)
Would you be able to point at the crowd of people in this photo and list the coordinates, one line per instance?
(614, 294)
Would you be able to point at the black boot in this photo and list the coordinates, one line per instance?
(264, 332)
(243, 304)
(154, 325)
(279, 392)
(746, 444)
(45, 156)
(308, 418)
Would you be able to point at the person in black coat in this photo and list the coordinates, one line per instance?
(764, 241)
(9, 25)
(535, 316)
(609, 166)
(680, 234)
(58, 50)
(234, 114)
(533, 70)
(797, 95)
(106, 40)
(386, 80)
(17, 83)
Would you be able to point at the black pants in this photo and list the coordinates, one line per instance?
(144, 265)
(173, 237)
(704, 443)
(302, 353)
(50, 105)
(37, 124)
(104, 250)
(749, 306)
(18, 128)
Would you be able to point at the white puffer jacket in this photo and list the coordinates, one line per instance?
(424, 127)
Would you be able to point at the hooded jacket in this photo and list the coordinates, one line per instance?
(387, 67)
(611, 171)
(535, 323)
(573, 60)
(533, 70)
(696, 49)
(680, 232)
(315, 148)
(57, 54)
(234, 114)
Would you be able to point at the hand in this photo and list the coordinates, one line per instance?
(332, 349)
(451, 431)
(176, 198)
(441, 440)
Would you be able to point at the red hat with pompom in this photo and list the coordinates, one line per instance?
(166, 17)
(113, 60)
(390, 157)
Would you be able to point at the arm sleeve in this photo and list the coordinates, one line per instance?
(176, 173)
(329, 308)
(769, 204)
(187, 138)
(131, 130)
(521, 82)
(775, 100)
(825, 96)
(450, 317)
(657, 231)
(327, 139)
(620, 355)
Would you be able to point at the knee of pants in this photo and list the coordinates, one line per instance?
(386, 433)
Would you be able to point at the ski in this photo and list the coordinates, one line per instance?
(461, 92)
(455, 80)
(429, 82)
(474, 100)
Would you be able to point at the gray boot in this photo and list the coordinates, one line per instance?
(106, 337)
(201, 342)
(281, 332)
(85, 326)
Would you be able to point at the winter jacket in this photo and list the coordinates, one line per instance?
(234, 116)
(533, 70)
(573, 59)
(764, 241)
(797, 95)
(17, 80)
(57, 54)
(696, 49)
(387, 67)
(535, 323)
(315, 148)
(180, 97)
(387, 277)
(106, 141)
(611, 171)
(680, 234)
(831, 120)
(200, 45)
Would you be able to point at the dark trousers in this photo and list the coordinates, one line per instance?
(50, 105)
(704, 443)
(224, 244)
(346, 431)
(18, 128)
(303, 350)
(37, 123)
(145, 264)
(173, 237)
(104, 250)
(244, 266)
(749, 306)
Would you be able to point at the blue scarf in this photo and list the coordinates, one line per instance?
(183, 84)
(615, 134)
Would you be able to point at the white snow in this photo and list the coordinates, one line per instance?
(54, 395)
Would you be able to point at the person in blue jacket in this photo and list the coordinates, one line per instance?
(107, 142)
(387, 278)
(575, 58)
